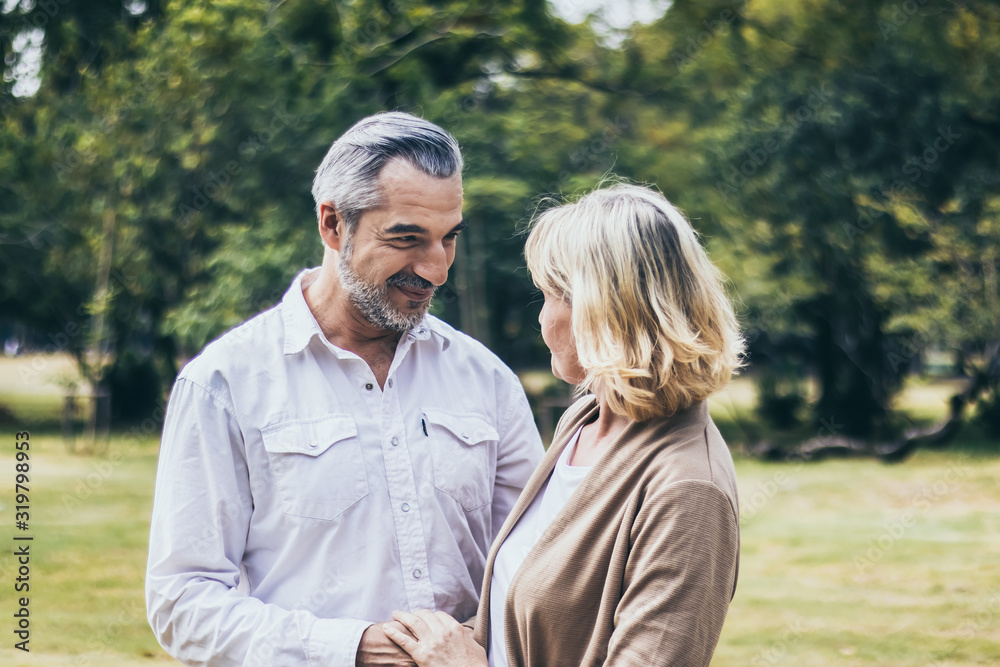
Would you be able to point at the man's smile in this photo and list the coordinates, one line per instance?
(415, 294)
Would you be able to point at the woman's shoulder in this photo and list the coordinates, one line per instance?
(684, 448)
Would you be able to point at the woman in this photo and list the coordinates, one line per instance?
(623, 548)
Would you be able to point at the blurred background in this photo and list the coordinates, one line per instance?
(841, 161)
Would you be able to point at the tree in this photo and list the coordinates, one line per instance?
(860, 137)
(184, 149)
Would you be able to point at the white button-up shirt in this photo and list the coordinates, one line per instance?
(297, 502)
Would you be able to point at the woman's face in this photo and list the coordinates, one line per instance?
(557, 332)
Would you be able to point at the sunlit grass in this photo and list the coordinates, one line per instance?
(90, 524)
(830, 575)
(843, 562)
(861, 563)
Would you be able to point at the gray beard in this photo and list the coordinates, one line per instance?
(372, 300)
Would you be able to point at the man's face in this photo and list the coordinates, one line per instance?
(400, 253)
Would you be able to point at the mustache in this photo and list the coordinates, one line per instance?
(408, 280)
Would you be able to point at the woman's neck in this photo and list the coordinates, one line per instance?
(597, 436)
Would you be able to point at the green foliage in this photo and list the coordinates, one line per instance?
(864, 158)
(839, 159)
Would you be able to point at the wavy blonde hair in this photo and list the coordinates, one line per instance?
(654, 329)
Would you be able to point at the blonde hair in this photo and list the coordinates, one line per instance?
(654, 329)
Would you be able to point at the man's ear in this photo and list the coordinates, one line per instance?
(332, 229)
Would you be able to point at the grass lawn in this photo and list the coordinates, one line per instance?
(843, 562)
(860, 563)
(90, 524)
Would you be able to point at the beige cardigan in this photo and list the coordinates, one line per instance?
(640, 565)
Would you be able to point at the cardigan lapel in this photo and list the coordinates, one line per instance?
(611, 465)
(560, 439)
(541, 474)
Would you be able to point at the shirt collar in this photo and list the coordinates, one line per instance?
(301, 325)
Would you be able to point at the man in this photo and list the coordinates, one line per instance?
(345, 453)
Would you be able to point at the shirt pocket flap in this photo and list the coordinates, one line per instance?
(467, 428)
(311, 437)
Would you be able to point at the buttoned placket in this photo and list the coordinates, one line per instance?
(385, 406)
(403, 494)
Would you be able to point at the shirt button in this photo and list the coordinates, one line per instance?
(417, 574)
(390, 384)
(465, 435)
(394, 441)
(405, 507)
(369, 386)
(312, 445)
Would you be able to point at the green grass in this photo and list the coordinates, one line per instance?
(816, 586)
(810, 593)
(860, 563)
(90, 524)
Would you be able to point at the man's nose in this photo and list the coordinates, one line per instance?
(433, 266)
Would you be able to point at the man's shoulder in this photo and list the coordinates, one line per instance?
(460, 347)
(252, 342)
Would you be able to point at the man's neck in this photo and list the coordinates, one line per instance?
(346, 327)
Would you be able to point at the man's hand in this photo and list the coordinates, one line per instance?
(376, 650)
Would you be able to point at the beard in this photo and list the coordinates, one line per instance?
(373, 301)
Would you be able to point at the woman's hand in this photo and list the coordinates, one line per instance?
(441, 641)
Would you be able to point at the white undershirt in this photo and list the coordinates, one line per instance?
(523, 537)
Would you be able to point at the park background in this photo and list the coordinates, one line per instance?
(841, 161)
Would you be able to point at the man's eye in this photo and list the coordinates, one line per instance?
(405, 239)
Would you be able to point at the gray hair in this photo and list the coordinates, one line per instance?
(348, 176)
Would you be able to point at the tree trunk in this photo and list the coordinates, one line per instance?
(899, 449)
(98, 423)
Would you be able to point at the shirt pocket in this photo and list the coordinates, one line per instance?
(317, 465)
(460, 447)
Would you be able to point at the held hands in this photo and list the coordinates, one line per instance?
(437, 640)
(375, 650)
